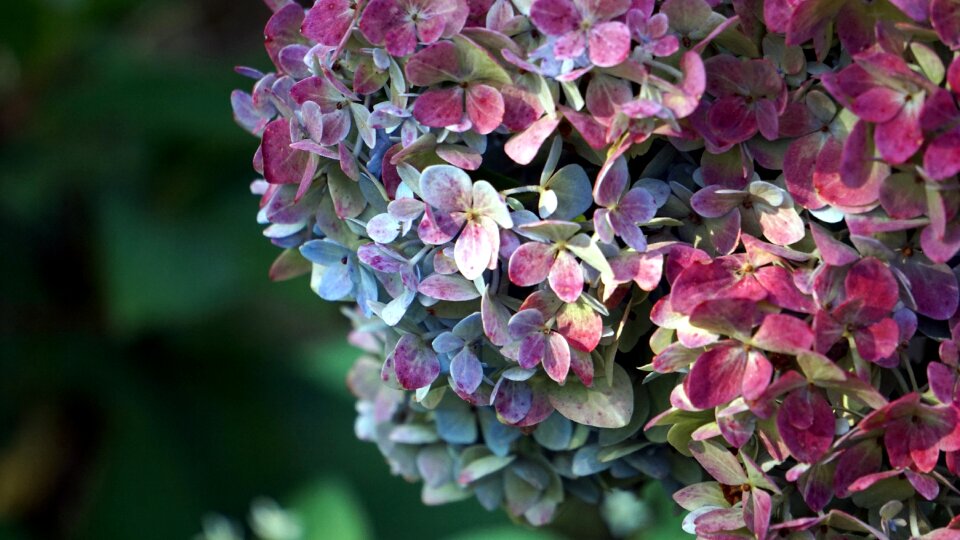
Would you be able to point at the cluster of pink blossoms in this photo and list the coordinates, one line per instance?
(596, 243)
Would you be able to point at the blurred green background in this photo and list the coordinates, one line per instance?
(150, 374)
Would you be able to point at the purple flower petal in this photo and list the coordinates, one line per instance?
(556, 357)
(806, 423)
(784, 334)
(513, 400)
(466, 371)
(448, 287)
(415, 364)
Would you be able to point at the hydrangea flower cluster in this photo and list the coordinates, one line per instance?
(595, 243)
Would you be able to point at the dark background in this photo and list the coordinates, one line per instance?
(150, 373)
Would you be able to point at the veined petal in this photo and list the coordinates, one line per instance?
(566, 277)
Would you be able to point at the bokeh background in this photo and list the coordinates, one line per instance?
(150, 374)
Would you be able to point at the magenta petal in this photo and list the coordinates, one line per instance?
(926, 486)
(530, 264)
(556, 357)
(439, 107)
(784, 334)
(732, 119)
(878, 105)
(328, 21)
(732, 317)
(756, 375)
(566, 277)
(401, 39)
(378, 17)
(473, 250)
(798, 167)
(945, 17)
(495, 317)
(762, 508)
(555, 17)
(716, 201)
(717, 375)
(437, 228)
(877, 341)
(281, 164)
(942, 158)
(484, 107)
(569, 46)
(832, 251)
(609, 43)
(582, 364)
(855, 462)
(871, 282)
(901, 137)
(466, 371)
(768, 119)
(415, 364)
(446, 188)
(782, 291)
(943, 382)
(807, 424)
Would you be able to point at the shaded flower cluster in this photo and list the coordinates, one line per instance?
(593, 243)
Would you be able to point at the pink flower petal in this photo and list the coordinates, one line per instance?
(438, 228)
(784, 334)
(877, 341)
(901, 137)
(446, 188)
(439, 107)
(731, 119)
(871, 282)
(530, 264)
(473, 250)
(942, 158)
(609, 43)
(580, 325)
(832, 251)
(566, 277)
(878, 105)
(716, 201)
(569, 46)
(555, 17)
(484, 107)
(523, 147)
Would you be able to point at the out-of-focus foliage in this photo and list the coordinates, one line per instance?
(149, 373)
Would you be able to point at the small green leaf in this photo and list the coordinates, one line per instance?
(603, 405)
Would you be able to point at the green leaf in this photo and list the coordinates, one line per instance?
(589, 252)
(477, 62)
(719, 462)
(483, 467)
(604, 405)
(928, 61)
